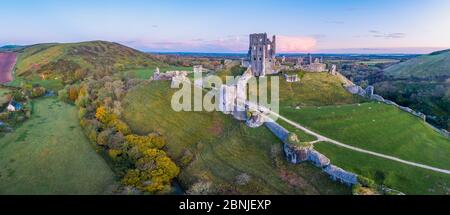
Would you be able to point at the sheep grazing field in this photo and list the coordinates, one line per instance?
(7, 62)
(49, 154)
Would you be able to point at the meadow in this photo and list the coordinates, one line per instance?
(407, 179)
(219, 148)
(377, 127)
(49, 154)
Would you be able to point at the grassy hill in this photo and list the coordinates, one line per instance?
(409, 180)
(383, 129)
(422, 83)
(434, 65)
(214, 147)
(49, 154)
(315, 89)
(55, 64)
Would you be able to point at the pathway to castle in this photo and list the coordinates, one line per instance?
(321, 138)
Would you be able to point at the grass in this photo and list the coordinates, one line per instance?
(86, 58)
(407, 179)
(313, 89)
(303, 136)
(3, 95)
(425, 66)
(222, 148)
(379, 128)
(49, 154)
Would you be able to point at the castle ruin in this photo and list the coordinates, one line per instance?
(262, 54)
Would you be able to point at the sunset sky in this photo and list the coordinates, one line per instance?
(333, 26)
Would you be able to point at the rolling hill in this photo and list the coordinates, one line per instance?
(432, 66)
(423, 84)
(66, 63)
(214, 148)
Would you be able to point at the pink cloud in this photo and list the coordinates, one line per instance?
(295, 43)
(225, 44)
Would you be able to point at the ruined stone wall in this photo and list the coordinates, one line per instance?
(261, 54)
(277, 130)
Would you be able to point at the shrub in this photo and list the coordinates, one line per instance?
(37, 92)
(104, 137)
(366, 182)
(145, 142)
(82, 112)
(104, 116)
(63, 95)
(19, 95)
(154, 172)
(121, 127)
(73, 93)
(187, 158)
(114, 153)
(293, 138)
(200, 188)
(116, 141)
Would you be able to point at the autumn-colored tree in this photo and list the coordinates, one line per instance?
(103, 137)
(154, 173)
(121, 126)
(114, 153)
(145, 142)
(104, 116)
(73, 93)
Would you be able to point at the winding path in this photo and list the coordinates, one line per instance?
(321, 138)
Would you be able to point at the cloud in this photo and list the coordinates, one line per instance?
(379, 34)
(230, 43)
(336, 22)
(295, 43)
(225, 44)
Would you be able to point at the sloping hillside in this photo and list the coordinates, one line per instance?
(434, 65)
(215, 149)
(423, 84)
(74, 61)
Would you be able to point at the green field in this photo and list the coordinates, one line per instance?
(383, 129)
(407, 179)
(221, 148)
(379, 128)
(313, 89)
(49, 154)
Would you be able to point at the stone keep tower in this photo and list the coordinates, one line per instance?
(262, 54)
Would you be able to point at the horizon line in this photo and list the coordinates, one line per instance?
(355, 51)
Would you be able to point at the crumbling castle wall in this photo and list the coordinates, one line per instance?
(262, 53)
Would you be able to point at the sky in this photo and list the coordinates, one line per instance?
(301, 26)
